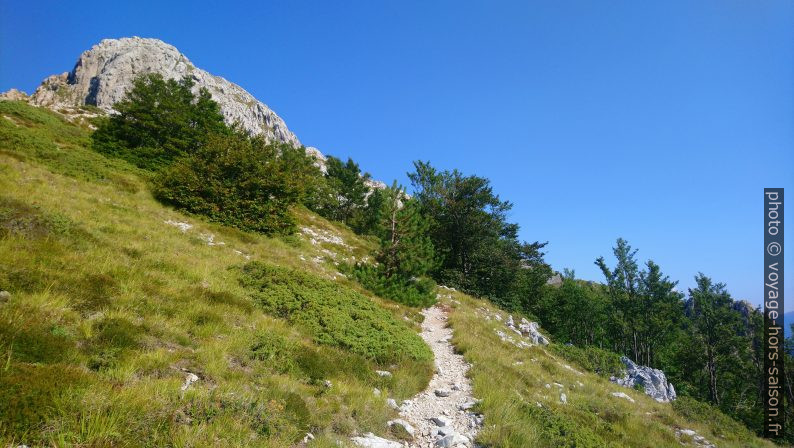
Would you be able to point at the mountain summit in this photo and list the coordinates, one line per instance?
(102, 76)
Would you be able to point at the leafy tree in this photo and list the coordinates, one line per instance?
(158, 121)
(240, 181)
(645, 309)
(718, 329)
(479, 250)
(564, 308)
(346, 197)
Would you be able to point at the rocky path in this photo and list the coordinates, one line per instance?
(441, 414)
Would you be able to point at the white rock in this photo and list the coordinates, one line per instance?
(183, 226)
(653, 381)
(453, 440)
(383, 373)
(190, 378)
(403, 425)
(392, 403)
(563, 398)
(622, 395)
(370, 440)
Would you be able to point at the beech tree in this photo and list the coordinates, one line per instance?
(718, 331)
(645, 310)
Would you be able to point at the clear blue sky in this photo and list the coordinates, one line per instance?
(657, 121)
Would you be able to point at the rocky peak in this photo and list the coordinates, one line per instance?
(103, 75)
(14, 95)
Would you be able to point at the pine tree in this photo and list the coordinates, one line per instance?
(406, 249)
(159, 121)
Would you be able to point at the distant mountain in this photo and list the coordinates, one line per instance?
(788, 318)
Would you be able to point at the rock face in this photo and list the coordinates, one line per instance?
(102, 76)
(653, 380)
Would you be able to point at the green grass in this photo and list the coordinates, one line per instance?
(111, 307)
(520, 411)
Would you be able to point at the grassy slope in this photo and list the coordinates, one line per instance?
(111, 307)
(512, 382)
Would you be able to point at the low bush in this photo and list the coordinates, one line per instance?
(594, 359)
(240, 181)
(333, 314)
(718, 422)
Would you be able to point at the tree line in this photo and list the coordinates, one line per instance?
(451, 229)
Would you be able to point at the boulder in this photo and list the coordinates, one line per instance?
(453, 440)
(653, 381)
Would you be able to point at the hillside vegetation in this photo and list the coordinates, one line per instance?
(116, 300)
(149, 308)
(521, 391)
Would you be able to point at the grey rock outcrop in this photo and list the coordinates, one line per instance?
(527, 329)
(103, 75)
(14, 95)
(652, 380)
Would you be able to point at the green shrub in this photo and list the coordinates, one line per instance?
(719, 423)
(275, 350)
(412, 292)
(240, 181)
(333, 314)
(594, 359)
(562, 431)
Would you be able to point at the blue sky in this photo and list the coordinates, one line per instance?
(660, 122)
